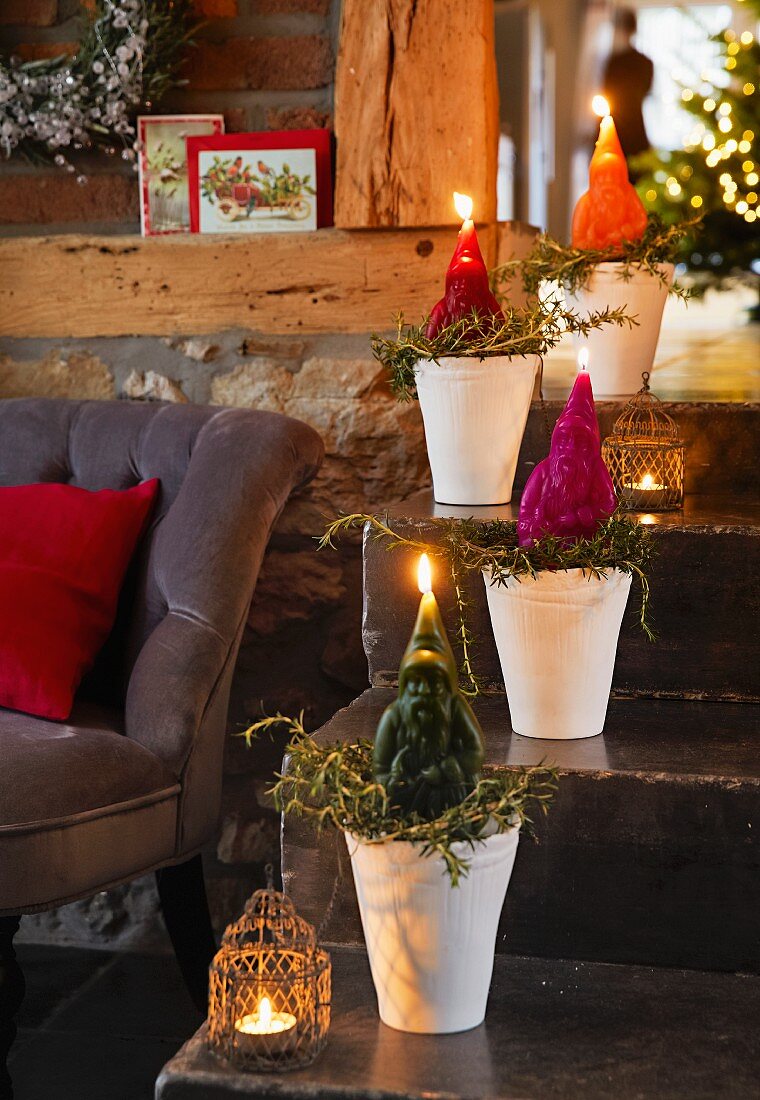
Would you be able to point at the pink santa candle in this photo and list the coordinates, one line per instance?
(570, 493)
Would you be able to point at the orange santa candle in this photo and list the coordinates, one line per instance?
(610, 211)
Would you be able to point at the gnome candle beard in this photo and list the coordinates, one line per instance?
(428, 746)
(570, 492)
(467, 288)
(610, 212)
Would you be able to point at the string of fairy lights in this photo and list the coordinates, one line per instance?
(732, 143)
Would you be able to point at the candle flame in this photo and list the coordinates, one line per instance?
(600, 106)
(463, 206)
(647, 481)
(583, 359)
(424, 578)
(265, 1013)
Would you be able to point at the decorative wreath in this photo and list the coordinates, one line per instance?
(127, 58)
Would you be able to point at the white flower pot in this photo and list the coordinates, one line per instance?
(556, 635)
(474, 411)
(618, 355)
(430, 944)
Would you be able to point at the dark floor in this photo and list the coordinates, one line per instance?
(97, 1026)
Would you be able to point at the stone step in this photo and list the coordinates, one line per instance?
(720, 441)
(554, 1029)
(705, 601)
(650, 853)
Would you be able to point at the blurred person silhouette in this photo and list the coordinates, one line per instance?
(626, 83)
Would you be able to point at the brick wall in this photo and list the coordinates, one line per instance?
(264, 64)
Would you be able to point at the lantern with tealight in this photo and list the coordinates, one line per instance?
(645, 455)
(269, 988)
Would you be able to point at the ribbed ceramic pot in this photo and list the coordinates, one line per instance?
(430, 944)
(618, 355)
(556, 635)
(474, 411)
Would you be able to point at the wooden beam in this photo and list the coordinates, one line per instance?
(328, 281)
(416, 111)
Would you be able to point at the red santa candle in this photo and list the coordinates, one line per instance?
(467, 286)
(570, 492)
(610, 211)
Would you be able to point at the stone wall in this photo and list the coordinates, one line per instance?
(302, 647)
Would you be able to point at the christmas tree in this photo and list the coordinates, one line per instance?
(717, 173)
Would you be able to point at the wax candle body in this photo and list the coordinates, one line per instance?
(428, 746)
(467, 286)
(610, 211)
(570, 492)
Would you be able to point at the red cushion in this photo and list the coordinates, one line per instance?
(63, 555)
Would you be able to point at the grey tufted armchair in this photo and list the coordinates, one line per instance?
(132, 782)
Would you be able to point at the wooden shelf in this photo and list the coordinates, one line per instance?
(331, 280)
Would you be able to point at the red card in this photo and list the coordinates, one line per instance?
(257, 194)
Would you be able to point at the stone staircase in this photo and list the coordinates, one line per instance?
(650, 854)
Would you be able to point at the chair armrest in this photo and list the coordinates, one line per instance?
(204, 562)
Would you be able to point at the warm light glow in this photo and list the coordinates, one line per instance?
(424, 578)
(264, 1021)
(647, 483)
(600, 106)
(463, 206)
(583, 359)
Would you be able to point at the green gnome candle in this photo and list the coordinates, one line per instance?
(428, 746)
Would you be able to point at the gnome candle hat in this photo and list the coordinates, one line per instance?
(467, 287)
(611, 211)
(570, 492)
(428, 747)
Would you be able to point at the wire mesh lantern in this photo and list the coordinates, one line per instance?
(269, 988)
(644, 455)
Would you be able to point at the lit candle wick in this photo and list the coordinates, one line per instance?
(583, 359)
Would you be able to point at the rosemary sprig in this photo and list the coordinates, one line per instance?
(526, 330)
(333, 786)
(473, 546)
(550, 261)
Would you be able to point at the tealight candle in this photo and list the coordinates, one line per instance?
(265, 1032)
(645, 495)
(648, 484)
